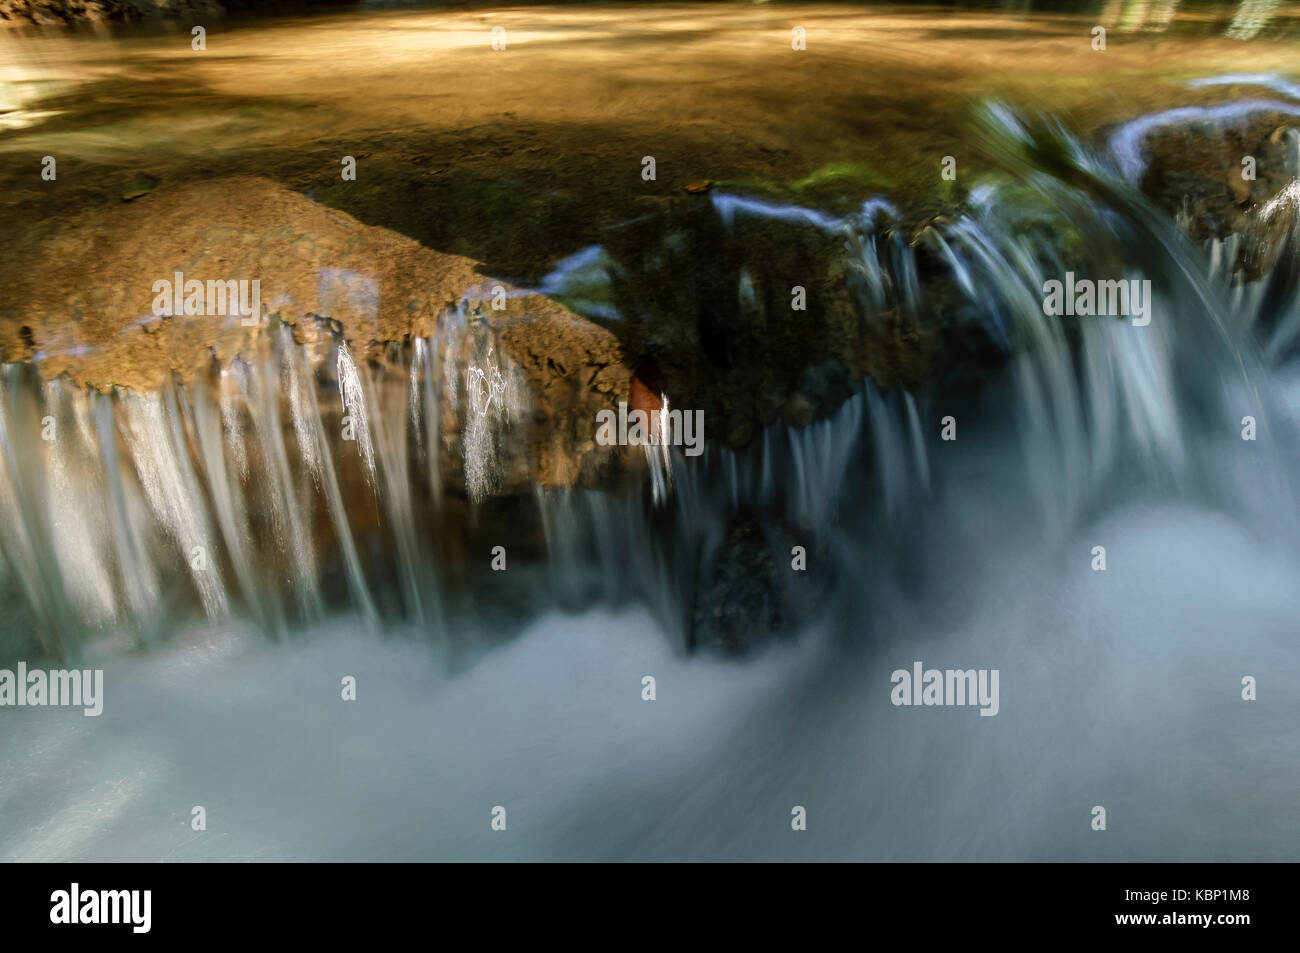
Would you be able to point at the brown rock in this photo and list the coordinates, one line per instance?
(80, 300)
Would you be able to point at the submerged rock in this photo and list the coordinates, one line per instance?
(755, 586)
(745, 599)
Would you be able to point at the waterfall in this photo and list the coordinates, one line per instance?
(250, 491)
(295, 483)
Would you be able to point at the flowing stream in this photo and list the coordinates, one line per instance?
(227, 558)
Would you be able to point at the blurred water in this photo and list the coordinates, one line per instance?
(1119, 688)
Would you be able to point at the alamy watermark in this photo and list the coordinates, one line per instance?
(658, 428)
(932, 686)
(74, 906)
(71, 688)
(1130, 298)
(242, 299)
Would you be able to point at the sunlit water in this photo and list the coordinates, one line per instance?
(1120, 688)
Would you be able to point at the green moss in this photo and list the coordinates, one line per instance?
(139, 184)
(841, 175)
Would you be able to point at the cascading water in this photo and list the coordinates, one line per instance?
(238, 500)
(250, 492)
(256, 492)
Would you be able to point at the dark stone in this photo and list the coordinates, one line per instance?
(747, 597)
